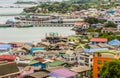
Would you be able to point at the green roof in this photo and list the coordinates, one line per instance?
(80, 46)
(29, 57)
(33, 62)
(106, 51)
(56, 63)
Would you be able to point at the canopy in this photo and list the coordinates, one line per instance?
(114, 42)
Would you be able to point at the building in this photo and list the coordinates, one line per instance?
(7, 57)
(98, 40)
(9, 70)
(111, 30)
(5, 47)
(63, 73)
(85, 59)
(99, 59)
(82, 25)
(83, 71)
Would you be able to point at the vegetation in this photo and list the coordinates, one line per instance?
(93, 20)
(29, 2)
(110, 36)
(111, 69)
(69, 6)
(110, 24)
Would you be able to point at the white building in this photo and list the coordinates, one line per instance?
(85, 59)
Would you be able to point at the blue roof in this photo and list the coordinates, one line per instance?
(36, 48)
(95, 50)
(114, 42)
(110, 11)
(5, 46)
(10, 21)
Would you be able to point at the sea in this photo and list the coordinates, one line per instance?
(33, 34)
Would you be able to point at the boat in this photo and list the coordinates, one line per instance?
(5, 25)
(23, 26)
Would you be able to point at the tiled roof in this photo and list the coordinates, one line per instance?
(8, 57)
(99, 40)
(80, 23)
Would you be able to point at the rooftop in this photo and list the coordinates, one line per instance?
(8, 68)
(80, 69)
(99, 40)
(64, 72)
(7, 57)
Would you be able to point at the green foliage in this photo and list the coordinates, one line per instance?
(90, 30)
(98, 30)
(93, 20)
(110, 24)
(69, 6)
(111, 69)
(110, 36)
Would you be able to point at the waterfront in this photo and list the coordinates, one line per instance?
(31, 34)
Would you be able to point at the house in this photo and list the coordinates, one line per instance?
(55, 63)
(7, 57)
(37, 64)
(100, 58)
(35, 48)
(9, 70)
(40, 53)
(83, 71)
(98, 40)
(81, 26)
(114, 42)
(63, 73)
(85, 59)
(111, 30)
(17, 44)
(39, 74)
(28, 71)
(5, 47)
(19, 51)
(70, 56)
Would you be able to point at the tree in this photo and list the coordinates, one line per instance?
(110, 24)
(93, 20)
(111, 69)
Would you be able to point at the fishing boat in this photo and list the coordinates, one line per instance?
(5, 25)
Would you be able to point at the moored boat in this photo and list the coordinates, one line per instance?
(5, 25)
(24, 26)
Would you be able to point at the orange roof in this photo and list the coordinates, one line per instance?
(7, 57)
(99, 40)
(80, 23)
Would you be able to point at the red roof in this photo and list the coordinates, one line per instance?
(2, 43)
(99, 40)
(81, 23)
(7, 57)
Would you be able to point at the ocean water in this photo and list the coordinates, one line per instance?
(31, 34)
(25, 34)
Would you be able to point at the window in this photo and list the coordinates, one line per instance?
(72, 59)
(99, 62)
(82, 58)
(98, 68)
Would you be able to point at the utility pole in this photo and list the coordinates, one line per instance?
(100, 5)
